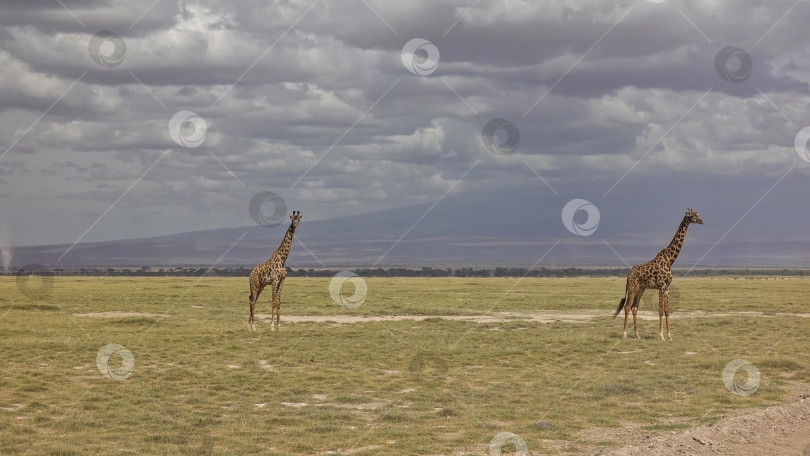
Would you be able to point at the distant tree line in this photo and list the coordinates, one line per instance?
(241, 271)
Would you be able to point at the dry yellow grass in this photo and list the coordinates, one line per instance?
(202, 384)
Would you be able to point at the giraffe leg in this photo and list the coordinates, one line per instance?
(251, 325)
(273, 314)
(252, 300)
(636, 303)
(631, 296)
(277, 301)
(274, 308)
(666, 313)
(662, 298)
(255, 291)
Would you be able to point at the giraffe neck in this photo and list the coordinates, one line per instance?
(284, 249)
(674, 248)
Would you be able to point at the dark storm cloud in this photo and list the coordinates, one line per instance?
(79, 16)
(287, 90)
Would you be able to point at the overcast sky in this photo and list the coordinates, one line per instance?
(313, 100)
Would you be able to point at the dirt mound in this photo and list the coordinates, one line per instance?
(782, 430)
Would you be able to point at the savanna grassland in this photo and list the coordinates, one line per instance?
(201, 383)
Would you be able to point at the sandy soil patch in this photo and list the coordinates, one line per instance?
(355, 450)
(502, 317)
(498, 317)
(367, 406)
(119, 314)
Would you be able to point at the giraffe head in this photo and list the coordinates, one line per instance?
(296, 217)
(692, 217)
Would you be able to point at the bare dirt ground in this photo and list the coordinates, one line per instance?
(502, 317)
(496, 317)
(778, 430)
(118, 314)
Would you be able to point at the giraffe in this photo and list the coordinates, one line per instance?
(272, 272)
(655, 274)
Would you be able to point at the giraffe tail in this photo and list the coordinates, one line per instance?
(621, 306)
